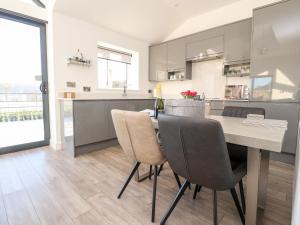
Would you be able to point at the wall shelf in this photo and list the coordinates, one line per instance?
(78, 59)
(73, 61)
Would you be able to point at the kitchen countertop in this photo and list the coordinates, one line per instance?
(105, 98)
(223, 99)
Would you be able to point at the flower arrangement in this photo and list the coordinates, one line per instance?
(189, 94)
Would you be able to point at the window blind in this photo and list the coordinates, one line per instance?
(114, 55)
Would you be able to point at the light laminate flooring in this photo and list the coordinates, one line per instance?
(46, 187)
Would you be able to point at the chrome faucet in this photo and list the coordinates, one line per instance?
(124, 91)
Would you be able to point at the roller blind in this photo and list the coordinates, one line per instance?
(114, 55)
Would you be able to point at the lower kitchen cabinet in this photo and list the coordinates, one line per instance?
(90, 124)
(87, 124)
(117, 104)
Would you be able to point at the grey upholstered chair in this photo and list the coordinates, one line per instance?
(239, 152)
(197, 151)
(137, 138)
(242, 112)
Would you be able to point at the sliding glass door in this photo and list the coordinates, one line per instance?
(24, 117)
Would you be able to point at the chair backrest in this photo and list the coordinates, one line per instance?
(196, 150)
(119, 121)
(237, 111)
(137, 137)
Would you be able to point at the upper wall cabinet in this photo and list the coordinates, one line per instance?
(275, 53)
(158, 62)
(205, 42)
(238, 41)
(176, 55)
(205, 47)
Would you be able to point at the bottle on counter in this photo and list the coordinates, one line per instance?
(203, 96)
(158, 106)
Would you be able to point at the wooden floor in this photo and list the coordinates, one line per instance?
(41, 186)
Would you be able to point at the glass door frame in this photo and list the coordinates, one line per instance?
(12, 16)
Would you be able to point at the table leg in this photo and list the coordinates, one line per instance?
(263, 178)
(253, 171)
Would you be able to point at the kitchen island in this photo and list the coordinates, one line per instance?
(86, 123)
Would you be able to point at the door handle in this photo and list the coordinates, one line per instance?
(44, 88)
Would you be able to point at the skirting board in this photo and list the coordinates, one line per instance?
(79, 150)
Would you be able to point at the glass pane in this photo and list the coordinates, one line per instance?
(21, 105)
(102, 73)
(116, 74)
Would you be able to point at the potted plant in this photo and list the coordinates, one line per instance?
(189, 94)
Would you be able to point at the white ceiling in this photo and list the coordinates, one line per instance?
(147, 20)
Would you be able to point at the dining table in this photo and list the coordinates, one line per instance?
(260, 139)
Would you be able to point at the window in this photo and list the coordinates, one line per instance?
(116, 69)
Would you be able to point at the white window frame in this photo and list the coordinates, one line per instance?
(133, 62)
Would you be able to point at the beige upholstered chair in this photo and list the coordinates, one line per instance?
(137, 138)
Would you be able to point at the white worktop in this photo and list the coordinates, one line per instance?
(105, 98)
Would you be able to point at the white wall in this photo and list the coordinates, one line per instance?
(234, 12)
(70, 34)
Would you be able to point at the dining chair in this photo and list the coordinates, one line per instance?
(241, 112)
(197, 151)
(180, 107)
(137, 138)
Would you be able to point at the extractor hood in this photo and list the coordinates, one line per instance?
(205, 57)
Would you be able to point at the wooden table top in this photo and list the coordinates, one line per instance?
(261, 137)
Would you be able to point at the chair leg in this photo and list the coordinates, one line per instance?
(160, 169)
(136, 166)
(195, 192)
(176, 200)
(154, 194)
(150, 172)
(197, 189)
(215, 200)
(177, 179)
(237, 204)
(242, 196)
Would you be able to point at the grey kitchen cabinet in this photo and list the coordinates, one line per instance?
(275, 54)
(158, 62)
(205, 47)
(131, 105)
(139, 105)
(207, 34)
(113, 104)
(90, 122)
(87, 124)
(237, 41)
(176, 54)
